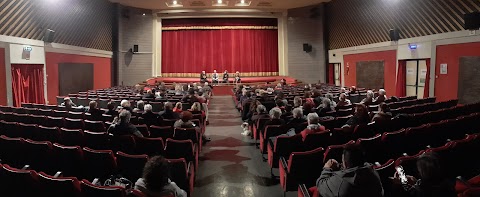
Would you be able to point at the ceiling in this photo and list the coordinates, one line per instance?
(203, 4)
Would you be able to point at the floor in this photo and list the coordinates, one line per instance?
(230, 165)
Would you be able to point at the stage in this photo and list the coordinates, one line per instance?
(246, 80)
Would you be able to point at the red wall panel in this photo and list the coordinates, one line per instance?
(3, 84)
(389, 57)
(446, 86)
(101, 70)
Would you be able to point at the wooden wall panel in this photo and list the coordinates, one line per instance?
(84, 23)
(370, 74)
(361, 22)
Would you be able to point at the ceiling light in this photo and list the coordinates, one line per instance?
(143, 14)
(219, 1)
(174, 2)
(242, 1)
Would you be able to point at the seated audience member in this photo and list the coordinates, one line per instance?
(383, 114)
(432, 182)
(253, 109)
(148, 116)
(237, 77)
(140, 107)
(352, 90)
(354, 177)
(308, 97)
(261, 113)
(111, 110)
(121, 125)
(149, 95)
(280, 104)
(161, 95)
(201, 98)
(197, 109)
(369, 99)
(308, 108)
(317, 97)
(168, 113)
(332, 102)
(325, 107)
(297, 102)
(275, 114)
(185, 120)
(360, 117)
(313, 125)
(178, 108)
(203, 77)
(281, 97)
(94, 111)
(263, 96)
(67, 103)
(190, 97)
(287, 113)
(283, 82)
(342, 100)
(296, 123)
(156, 181)
(246, 106)
(394, 99)
(382, 97)
(225, 76)
(125, 104)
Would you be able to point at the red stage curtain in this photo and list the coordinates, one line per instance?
(219, 22)
(427, 81)
(243, 50)
(27, 84)
(331, 74)
(401, 79)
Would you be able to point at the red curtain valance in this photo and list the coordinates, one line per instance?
(219, 22)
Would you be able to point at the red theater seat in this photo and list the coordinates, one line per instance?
(18, 183)
(149, 146)
(98, 164)
(301, 167)
(131, 166)
(89, 189)
(59, 186)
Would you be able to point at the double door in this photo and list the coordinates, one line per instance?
(416, 75)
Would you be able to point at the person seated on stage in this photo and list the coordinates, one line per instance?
(225, 76)
(203, 77)
(148, 116)
(168, 113)
(67, 103)
(111, 110)
(215, 77)
(121, 125)
(382, 97)
(94, 111)
(178, 108)
(237, 77)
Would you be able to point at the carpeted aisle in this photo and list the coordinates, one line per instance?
(230, 165)
(222, 90)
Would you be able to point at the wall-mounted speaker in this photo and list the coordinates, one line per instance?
(472, 21)
(394, 34)
(135, 48)
(307, 47)
(48, 35)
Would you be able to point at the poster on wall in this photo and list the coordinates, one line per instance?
(410, 71)
(423, 75)
(443, 69)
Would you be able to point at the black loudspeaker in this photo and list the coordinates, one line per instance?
(472, 21)
(48, 35)
(307, 47)
(135, 48)
(394, 34)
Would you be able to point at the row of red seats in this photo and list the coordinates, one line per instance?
(87, 163)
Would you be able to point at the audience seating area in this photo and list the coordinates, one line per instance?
(420, 125)
(48, 139)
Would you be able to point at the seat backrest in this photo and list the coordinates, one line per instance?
(72, 137)
(306, 166)
(69, 159)
(143, 129)
(175, 149)
(131, 166)
(89, 189)
(321, 139)
(51, 134)
(96, 140)
(149, 146)
(284, 145)
(186, 134)
(371, 146)
(98, 163)
(13, 178)
(164, 132)
(12, 150)
(335, 151)
(74, 123)
(124, 143)
(409, 164)
(60, 186)
(39, 154)
(55, 122)
(179, 173)
(94, 126)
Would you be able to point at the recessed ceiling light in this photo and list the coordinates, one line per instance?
(174, 2)
(143, 14)
(219, 1)
(242, 1)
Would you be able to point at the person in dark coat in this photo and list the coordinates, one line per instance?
(225, 76)
(94, 111)
(149, 117)
(111, 110)
(203, 77)
(297, 123)
(168, 113)
(383, 114)
(122, 126)
(356, 178)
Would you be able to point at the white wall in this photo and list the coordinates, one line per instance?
(37, 55)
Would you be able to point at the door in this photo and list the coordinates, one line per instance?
(337, 68)
(416, 77)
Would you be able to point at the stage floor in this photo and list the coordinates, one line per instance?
(152, 81)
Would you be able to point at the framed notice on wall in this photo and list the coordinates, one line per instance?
(443, 69)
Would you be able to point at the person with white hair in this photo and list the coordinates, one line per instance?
(314, 125)
(343, 100)
(275, 118)
(203, 76)
(140, 106)
(297, 102)
(382, 96)
(67, 103)
(325, 107)
(148, 116)
(296, 124)
(369, 99)
(261, 112)
(168, 113)
(121, 125)
(125, 104)
(215, 77)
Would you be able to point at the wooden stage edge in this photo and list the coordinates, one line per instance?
(152, 81)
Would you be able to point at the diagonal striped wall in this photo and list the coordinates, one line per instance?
(84, 23)
(360, 22)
